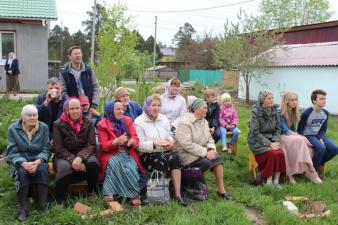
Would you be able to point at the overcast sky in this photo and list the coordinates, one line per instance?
(72, 12)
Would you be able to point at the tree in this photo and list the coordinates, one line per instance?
(184, 41)
(149, 47)
(81, 39)
(116, 41)
(58, 43)
(241, 47)
(288, 13)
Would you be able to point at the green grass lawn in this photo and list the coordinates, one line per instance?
(265, 199)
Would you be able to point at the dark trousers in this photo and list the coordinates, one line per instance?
(322, 152)
(91, 175)
(13, 83)
(217, 134)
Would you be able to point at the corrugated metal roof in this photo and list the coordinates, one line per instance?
(30, 9)
(316, 54)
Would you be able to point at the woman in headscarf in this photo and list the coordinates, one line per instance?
(195, 145)
(28, 151)
(264, 138)
(120, 165)
(297, 150)
(156, 143)
(173, 104)
(74, 147)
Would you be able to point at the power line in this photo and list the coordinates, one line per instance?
(190, 10)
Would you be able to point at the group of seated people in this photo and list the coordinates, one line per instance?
(165, 135)
(287, 143)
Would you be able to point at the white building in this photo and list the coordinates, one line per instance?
(301, 69)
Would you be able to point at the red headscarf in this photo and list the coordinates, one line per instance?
(65, 116)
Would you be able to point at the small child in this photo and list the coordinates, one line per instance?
(228, 119)
(210, 96)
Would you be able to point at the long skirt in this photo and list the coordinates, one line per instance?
(271, 162)
(122, 176)
(160, 161)
(298, 154)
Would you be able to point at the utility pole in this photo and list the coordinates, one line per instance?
(61, 42)
(154, 55)
(92, 48)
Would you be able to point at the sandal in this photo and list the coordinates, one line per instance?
(136, 202)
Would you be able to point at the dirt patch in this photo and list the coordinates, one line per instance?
(255, 216)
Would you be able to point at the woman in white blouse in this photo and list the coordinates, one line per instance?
(156, 143)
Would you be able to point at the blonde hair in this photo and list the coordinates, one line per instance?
(291, 115)
(156, 97)
(209, 92)
(225, 97)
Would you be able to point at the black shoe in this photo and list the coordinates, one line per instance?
(224, 196)
(180, 201)
(22, 215)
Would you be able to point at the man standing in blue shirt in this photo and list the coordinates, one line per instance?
(313, 125)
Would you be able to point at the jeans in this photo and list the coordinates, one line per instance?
(322, 152)
(234, 137)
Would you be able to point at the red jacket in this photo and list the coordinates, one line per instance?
(107, 135)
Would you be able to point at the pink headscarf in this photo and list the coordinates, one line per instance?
(168, 93)
(65, 116)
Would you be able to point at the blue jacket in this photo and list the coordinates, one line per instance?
(303, 119)
(45, 113)
(19, 149)
(285, 127)
(133, 110)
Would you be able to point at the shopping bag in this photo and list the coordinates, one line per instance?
(157, 189)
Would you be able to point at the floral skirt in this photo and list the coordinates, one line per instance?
(160, 161)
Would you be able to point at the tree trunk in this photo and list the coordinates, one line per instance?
(247, 92)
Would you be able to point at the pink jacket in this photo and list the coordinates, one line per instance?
(227, 115)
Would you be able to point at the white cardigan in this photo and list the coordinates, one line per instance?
(148, 131)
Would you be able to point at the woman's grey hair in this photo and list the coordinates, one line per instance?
(29, 109)
(262, 96)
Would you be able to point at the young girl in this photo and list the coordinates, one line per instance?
(228, 120)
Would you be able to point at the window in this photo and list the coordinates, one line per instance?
(7, 44)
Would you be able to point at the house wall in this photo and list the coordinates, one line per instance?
(32, 53)
(301, 80)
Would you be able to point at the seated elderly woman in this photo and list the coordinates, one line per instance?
(28, 151)
(74, 150)
(264, 138)
(195, 146)
(131, 108)
(156, 143)
(120, 165)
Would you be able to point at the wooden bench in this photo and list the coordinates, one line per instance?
(235, 146)
(74, 188)
(253, 166)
